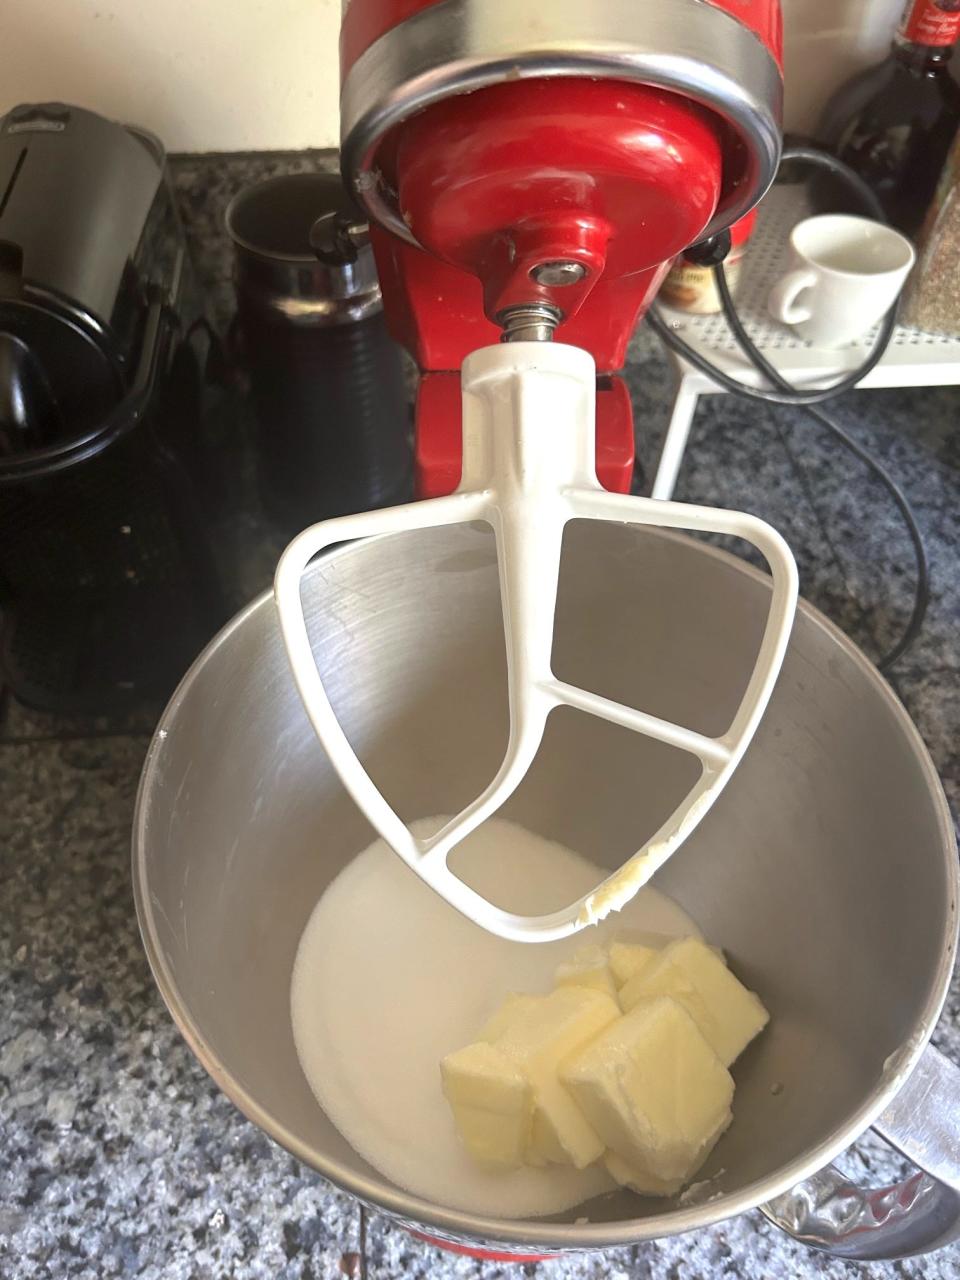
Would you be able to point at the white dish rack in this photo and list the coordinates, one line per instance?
(913, 359)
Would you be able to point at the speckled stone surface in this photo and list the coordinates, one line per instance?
(205, 185)
(118, 1156)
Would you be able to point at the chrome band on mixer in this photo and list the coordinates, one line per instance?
(459, 46)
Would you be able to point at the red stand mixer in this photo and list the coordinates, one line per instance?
(532, 170)
(529, 174)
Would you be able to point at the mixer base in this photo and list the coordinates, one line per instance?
(484, 1255)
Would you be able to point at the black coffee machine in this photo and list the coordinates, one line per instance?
(108, 586)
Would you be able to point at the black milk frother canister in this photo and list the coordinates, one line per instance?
(326, 381)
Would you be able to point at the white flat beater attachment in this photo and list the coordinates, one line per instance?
(528, 469)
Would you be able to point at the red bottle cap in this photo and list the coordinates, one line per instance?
(931, 22)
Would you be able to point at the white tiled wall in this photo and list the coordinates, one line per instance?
(262, 74)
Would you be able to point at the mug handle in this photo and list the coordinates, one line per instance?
(918, 1215)
(783, 296)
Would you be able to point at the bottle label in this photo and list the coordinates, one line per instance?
(931, 22)
(694, 289)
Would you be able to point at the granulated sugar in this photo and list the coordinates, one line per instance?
(389, 978)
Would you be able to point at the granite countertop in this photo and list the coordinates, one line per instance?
(118, 1155)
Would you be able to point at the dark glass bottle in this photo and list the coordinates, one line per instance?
(894, 122)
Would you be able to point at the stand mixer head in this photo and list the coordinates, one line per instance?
(532, 176)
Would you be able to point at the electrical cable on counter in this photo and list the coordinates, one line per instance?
(922, 591)
(808, 488)
(783, 392)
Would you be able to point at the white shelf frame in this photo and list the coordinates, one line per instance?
(913, 359)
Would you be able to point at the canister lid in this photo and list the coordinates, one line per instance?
(301, 251)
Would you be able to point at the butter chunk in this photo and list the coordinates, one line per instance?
(561, 1133)
(694, 975)
(545, 1146)
(653, 1090)
(515, 1008)
(628, 958)
(492, 1104)
(588, 968)
(536, 1035)
(639, 1180)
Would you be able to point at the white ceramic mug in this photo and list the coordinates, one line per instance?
(846, 273)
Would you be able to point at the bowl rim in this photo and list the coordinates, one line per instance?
(545, 1235)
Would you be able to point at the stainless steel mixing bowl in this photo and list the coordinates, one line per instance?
(827, 870)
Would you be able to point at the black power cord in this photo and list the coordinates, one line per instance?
(783, 392)
(922, 590)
